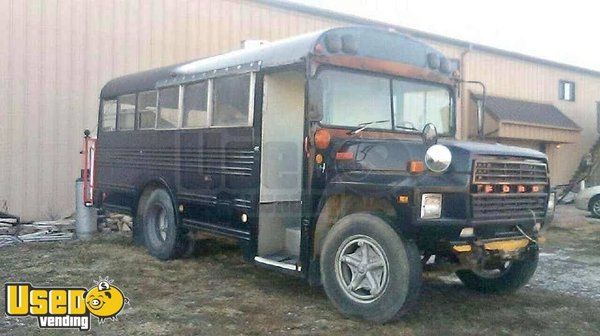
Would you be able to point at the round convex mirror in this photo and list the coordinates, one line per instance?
(429, 134)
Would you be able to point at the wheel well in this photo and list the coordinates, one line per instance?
(338, 206)
(145, 192)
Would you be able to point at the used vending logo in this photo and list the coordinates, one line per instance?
(65, 307)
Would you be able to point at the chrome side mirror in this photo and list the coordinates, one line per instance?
(429, 135)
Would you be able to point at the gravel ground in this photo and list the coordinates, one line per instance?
(570, 261)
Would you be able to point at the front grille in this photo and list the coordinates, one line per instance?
(509, 172)
(514, 206)
(509, 189)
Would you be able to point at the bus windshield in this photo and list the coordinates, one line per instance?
(351, 99)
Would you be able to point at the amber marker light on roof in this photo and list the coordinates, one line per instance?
(322, 139)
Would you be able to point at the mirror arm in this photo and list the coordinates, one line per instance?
(480, 108)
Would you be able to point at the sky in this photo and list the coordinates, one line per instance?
(562, 31)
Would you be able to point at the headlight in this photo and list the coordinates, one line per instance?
(431, 206)
(551, 201)
(438, 158)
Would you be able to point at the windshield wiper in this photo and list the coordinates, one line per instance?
(362, 126)
(410, 128)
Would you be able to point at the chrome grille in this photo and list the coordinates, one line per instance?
(505, 178)
(513, 206)
(509, 172)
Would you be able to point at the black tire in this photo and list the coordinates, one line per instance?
(163, 236)
(594, 206)
(404, 270)
(510, 280)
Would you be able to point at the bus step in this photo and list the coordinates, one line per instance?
(280, 260)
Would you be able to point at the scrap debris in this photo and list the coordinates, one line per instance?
(12, 231)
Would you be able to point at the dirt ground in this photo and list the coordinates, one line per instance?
(216, 293)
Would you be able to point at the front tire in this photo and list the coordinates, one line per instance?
(163, 237)
(368, 271)
(506, 280)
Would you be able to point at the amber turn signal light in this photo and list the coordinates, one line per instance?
(415, 167)
(322, 139)
(344, 156)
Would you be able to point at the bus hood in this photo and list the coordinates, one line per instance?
(394, 155)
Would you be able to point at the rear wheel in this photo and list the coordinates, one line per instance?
(163, 237)
(507, 278)
(368, 271)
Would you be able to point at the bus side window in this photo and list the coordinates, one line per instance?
(147, 110)
(168, 108)
(126, 114)
(231, 97)
(109, 115)
(195, 105)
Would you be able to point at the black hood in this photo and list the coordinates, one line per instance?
(394, 154)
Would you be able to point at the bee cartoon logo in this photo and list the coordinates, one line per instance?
(105, 300)
(65, 307)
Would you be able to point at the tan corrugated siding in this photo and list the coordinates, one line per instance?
(57, 54)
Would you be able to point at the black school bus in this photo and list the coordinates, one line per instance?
(330, 156)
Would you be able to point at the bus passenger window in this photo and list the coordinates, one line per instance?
(231, 96)
(147, 110)
(126, 119)
(109, 115)
(168, 108)
(195, 99)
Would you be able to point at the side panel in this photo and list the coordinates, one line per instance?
(211, 172)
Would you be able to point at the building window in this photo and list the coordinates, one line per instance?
(126, 119)
(566, 90)
(195, 105)
(147, 110)
(168, 108)
(109, 115)
(231, 98)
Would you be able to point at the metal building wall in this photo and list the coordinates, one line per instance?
(55, 55)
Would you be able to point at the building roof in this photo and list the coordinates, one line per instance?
(421, 34)
(525, 112)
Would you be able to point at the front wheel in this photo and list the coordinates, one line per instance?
(368, 271)
(507, 278)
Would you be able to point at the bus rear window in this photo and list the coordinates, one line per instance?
(168, 108)
(126, 119)
(109, 115)
(231, 99)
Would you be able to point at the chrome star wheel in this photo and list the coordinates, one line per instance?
(362, 268)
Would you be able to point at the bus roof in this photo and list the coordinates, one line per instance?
(370, 42)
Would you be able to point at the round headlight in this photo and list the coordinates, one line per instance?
(438, 158)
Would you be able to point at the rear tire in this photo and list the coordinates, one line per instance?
(369, 271)
(163, 236)
(507, 281)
